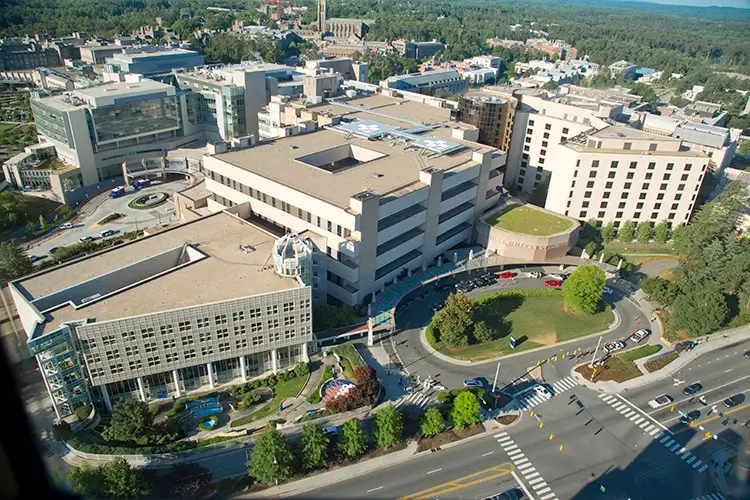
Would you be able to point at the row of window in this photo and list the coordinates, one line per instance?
(634, 164)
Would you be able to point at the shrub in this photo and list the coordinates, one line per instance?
(432, 334)
(83, 412)
(445, 397)
(590, 248)
(483, 332)
(251, 398)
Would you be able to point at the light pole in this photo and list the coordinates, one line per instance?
(497, 372)
(275, 462)
(595, 352)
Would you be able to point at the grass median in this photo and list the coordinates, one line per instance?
(533, 320)
(281, 391)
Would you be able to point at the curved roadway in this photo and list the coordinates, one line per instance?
(418, 360)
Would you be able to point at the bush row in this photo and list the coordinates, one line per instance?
(63, 432)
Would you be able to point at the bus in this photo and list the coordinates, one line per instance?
(117, 192)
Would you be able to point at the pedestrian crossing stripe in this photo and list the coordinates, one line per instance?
(710, 496)
(662, 437)
(416, 399)
(533, 478)
(529, 400)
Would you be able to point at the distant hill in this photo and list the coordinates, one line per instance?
(710, 10)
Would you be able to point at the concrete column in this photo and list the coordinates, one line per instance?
(370, 334)
(140, 389)
(274, 361)
(305, 357)
(176, 378)
(105, 395)
(243, 369)
(210, 370)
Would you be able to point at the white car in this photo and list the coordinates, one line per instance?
(86, 238)
(607, 291)
(660, 401)
(542, 392)
(534, 274)
(558, 277)
(472, 382)
(614, 346)
(67, 225)
(640, 335)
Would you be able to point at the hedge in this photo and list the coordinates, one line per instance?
(432, 334)
(63, 432)
(238, 391)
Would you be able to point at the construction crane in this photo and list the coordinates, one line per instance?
(278, 4)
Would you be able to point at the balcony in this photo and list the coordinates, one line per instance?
(395, 227)
(404, 245)
(398, 264)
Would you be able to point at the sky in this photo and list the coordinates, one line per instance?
(742, 4)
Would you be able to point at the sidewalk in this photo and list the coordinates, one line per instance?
(717, 341)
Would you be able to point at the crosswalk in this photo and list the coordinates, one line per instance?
(710, 496)
(655, 432)
(530, 474)
(530, 399)
(415, 399)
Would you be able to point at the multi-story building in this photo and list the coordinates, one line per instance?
(383, 189)
(418, 50)
(429, 82)
(98, 128)
(346, 28)
(618, 173)
(199, 305)
(98, 54)
(480, 76)
(491, 113)
(564, 50)
(345, 66)
(16, 55)
(623, 69)
(154, 60)
(348, 49)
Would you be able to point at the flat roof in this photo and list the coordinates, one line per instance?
(394, 172)
(120, 89)
(228, 271)
(129, 56)
(615, 132)
(528, 219)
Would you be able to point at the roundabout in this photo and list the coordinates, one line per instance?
(149, 200)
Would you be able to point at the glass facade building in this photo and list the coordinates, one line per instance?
(112, 123)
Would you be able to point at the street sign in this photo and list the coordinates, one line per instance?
(512, 342)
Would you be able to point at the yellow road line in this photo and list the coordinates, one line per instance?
(715, 417)
(463, 482)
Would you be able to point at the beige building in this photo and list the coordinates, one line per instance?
(386, 189)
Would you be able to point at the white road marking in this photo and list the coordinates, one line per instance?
(644, 414)
(531, 476)
(488, 453)
(434, 471)
(727, 371)
(523, 486)
(375, 489)
(536, 480)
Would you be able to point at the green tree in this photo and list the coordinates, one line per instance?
(588, 231)
(272, 458)
(314, 447)
(42, 223)
(699, 312)
(644, 232)
(466, 410)
(483, 332)
(132, 422)
(388, 427)
(659, 289)
(13, 261)
(609, 233)
(590, 248)
(328, 317)
(661, 232)
(626, 232)
(123, 481)
(583, 289)
(432, 422)
(455, 320)
(87, 480)
(550, 85)
(677, 232)
(352, 441)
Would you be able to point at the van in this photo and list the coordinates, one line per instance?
(107, 232)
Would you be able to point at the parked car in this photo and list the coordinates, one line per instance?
(542, 392)
(108, 232)
(692, 389)
(553, 283)
(640, 335)
(53, 250)
(35, 258)
(558, 277)
(607, 291)
(690, 417)
(735, 400)
(660, 401)
(514, 494)
(505, 275)
(330, 430)
(614, 346)
(472, 382)
(86, 238)
(67, 225)
(747, 354)
(534, 274)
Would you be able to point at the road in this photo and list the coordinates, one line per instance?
(87, 225)
(418, 360)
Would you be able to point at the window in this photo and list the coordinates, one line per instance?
(239, 330)
(624, 196)
(131, 351)
(645, 185)
(660, 196)
(675, 205)
(547, 126)
(171, 357)
(224, 347)
(583, 214)
(618, 215)
(600, 215)
(544, 144)
(542, 152)
(631, 175)
(688, 166)
(149, 347)
(238, 316)
(667, 176)
(205, 337)
(590, 184)
(221, 319)
(539, 169)
(526, 148)
(529, 131)
(663, 187)
(188, 341)
(565, 130)
(614, 164)
(627, 145)
(112, 355)
(678, 197)
(637, 215)
(146, 333)
(128, 336)
(654, 215)
(135, 364)
(684, 177)
(633, 164)
(289, 320)
(546, 135)
(652, 147)
(528, 140)
(541, 160)
(657, 206)
(608, 185)
(273, 323)
(611, 175)
(603, 204)
(639, 206)
(169, 344)
(222, 333)
(621, 205)
(240, 343)
(531, 123)
(670, 166)
(288, 307)
(585, 204)
(652, 165)
(203, 323)
(671, 217)
(587, 194)
(649, 175)
(185, 326)
(642, 196)
(681, 187)
(257, 340)
(628, 184)
(207, 350)
(190, 354)
(256, 327)
(605, 195)
(271, 310)
(595, 164)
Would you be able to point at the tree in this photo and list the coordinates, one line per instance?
(272, 458)
(550, 85)
(115, 479)
(583, 289)
(609, 233)
(367, 385)
(626, 232)
(659, 289)
(483, 332)
(352, 441)
(131, 423)
(432, 422)
(644, 232)
(699, 312)
(388, 427)
(455, 320)
(188, 480)
(590, 248)
(42, 223)
(661, 232)
(13, 261)
(314, 447)
(328, 317)
(87, 480)
(677, 232)
(466, 410)
(588, 231)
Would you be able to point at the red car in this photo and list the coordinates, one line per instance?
(553, 283)
(505, 275)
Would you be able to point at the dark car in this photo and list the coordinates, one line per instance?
(747, 354)
(735, 400)
(437, 306)
(692, 389)
(53, 250)
(514, 494)
(690, 417)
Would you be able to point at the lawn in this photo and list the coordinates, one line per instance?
(615, 369)
(281, 391)
(534, 321)
(528, 220)
(660, 362)
(6, 126)
(640, 352)
(350, 359)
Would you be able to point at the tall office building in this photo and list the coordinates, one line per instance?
(492, 113)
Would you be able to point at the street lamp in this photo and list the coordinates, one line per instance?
(275, 462)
